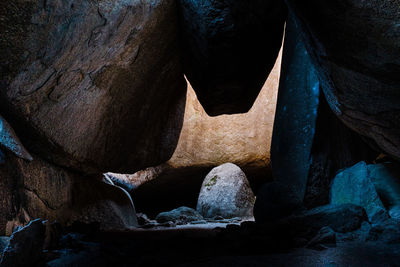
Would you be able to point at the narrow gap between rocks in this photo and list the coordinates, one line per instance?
(168, 195)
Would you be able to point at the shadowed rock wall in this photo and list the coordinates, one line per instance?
(85, 83)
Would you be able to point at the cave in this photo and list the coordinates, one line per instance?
(199, 133)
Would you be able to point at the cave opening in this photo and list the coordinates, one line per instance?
(205, 143)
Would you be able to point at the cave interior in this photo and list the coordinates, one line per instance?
(199, 133)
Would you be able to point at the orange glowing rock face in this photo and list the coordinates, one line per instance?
(243, 139)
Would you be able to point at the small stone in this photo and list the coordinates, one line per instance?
(181, 215)
(394, 212)
(143, 219)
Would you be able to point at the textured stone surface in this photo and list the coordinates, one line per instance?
(3, 243)
(354, 185)
(334, 147)
(38, 189)
(10, 141)
(204, 143)
(130, 182)
(355, 46)
(386, 179)
(243, 139)
(229, 49)
(181, 215)
(226, 192)
(26, 245)
(295, 115)
(85, 83)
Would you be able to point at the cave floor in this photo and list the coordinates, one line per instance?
(207, 246)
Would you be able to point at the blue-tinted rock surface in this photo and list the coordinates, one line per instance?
(354, 185)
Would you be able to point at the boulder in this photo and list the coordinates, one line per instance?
(84, 83)
(226, 192)
(204, 143)
(229, 48)
(386, 179)
(38, 189)
(355, 46)
(25, 246)
(394, 212)
(181, 215)
(354, 185)
(334, 147)
(296, 113)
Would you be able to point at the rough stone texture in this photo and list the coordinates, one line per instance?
(10, 141)
(85, 83)
(394, 212)
(226, 192)
(386, 179)
(354, 185)
(229, 49)
(243, 139)
(40, 190)
(355, 46)
(25, 247)
(181, 215)
(130, 182)
(9, 199)
(204, 143)
(295, 115)
(334, 147)
(3, 243)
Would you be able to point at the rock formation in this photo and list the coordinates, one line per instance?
(386, 179)
(296, 113)
(243, 139)
(226, 192)
(181, 215)
(204, 143)
(355, 46)
(38, 189)
(85, 83)
(353, 185)
(229, 49)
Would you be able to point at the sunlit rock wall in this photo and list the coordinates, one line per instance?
(206, 142)
(243, 139)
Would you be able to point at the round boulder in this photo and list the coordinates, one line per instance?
(226, 192)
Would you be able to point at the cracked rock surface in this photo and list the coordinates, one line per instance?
(83, 82)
